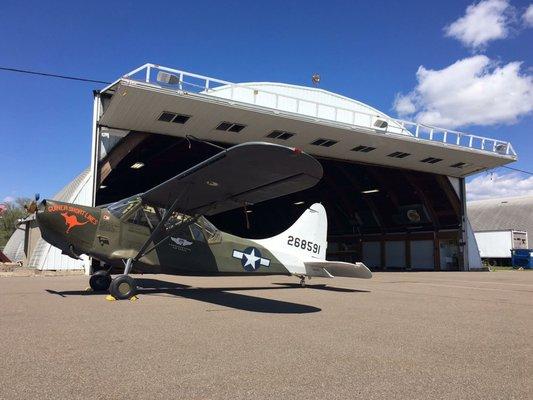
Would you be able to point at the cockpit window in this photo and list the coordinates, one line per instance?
(211, 231)
(197, 233)
(123, 207)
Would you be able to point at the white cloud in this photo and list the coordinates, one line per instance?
(8, 199)
(471, 91)
(494, 185)
(528, 16)
(483, 22)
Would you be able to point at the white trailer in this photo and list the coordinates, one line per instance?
(495, 246)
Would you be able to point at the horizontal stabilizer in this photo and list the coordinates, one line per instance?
(331, 269)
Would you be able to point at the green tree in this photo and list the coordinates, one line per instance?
(10, 213)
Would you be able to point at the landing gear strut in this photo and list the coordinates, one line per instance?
(123, 286)
(302, 281)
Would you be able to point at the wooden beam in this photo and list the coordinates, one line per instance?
(452, 196)
(118, 153)
(375, 212)
(413, 180)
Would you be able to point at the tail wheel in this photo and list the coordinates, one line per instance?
(123, 287)
(100, 280)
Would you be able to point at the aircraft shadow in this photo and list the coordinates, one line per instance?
(323, 287)
(218, 296)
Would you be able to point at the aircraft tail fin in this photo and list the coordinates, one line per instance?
(306, 238)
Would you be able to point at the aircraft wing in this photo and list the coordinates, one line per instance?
(331, 269)
(244, 174)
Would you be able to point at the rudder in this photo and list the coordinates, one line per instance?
(306, 238)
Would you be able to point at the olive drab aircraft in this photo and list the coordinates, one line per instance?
(165, 230)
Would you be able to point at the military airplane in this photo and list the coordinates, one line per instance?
(165, 229)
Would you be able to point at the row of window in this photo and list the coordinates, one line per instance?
(167, 116)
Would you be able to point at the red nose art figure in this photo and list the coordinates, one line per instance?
(71, 221)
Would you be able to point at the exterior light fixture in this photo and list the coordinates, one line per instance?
(103, 186)
(249, 211)
(165, 77)
(315, 79)
(370, 191)
(381, 123)
(212, 183)
(137, 165)
(299, 203)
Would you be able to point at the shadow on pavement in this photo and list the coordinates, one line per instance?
(323, 287)
(219, 296)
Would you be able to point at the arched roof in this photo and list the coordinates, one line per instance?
(502, 214)
(44, 255)
(307, 96)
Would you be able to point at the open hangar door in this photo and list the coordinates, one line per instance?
(389, 218)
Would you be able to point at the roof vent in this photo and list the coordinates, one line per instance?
(431, 160)
(167, 116)
(364, 149)
(398, 154)
(460, 165)
(324, 142)
(230, 127)
(282, 135)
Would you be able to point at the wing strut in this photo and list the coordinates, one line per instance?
(143, 250)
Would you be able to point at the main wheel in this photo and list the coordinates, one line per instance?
(122, 287)
(100, 280)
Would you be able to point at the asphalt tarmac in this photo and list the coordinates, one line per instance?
(397, 336)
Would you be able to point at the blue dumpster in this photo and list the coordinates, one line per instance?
(522, 258)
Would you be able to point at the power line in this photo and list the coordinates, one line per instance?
(518, 170)
(72, 78)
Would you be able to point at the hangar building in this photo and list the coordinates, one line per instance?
(394, 190)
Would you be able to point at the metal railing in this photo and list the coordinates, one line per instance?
(194, 83)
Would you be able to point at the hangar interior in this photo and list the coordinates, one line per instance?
(393, 190)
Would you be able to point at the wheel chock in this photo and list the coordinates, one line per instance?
(134, 298)
(110, 298)
(89, 289)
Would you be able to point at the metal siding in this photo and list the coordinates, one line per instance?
(372, 254)
(395, 254)
(422, 254)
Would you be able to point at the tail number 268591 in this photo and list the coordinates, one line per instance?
(303, 244)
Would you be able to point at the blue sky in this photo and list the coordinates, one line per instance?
(369, 51)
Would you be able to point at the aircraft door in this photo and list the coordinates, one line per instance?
(186, 251)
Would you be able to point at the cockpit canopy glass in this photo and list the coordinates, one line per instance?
(133, 211)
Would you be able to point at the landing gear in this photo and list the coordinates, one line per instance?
(302, 281)
(123, 287)
(100, 280)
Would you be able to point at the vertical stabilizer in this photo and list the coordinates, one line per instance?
(306, 238)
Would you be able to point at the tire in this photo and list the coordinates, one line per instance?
(122, 287)
(100, 280)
